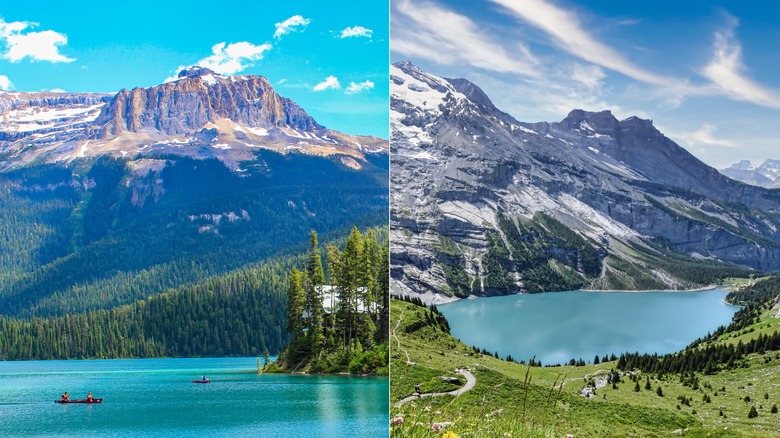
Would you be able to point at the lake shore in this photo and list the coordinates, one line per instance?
(698, 289)
(437, 299)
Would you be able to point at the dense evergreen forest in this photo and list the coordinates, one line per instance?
(186, 258)
(70, 235)
(350, 332)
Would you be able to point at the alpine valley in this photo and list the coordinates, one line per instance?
(484, 204)
(164, 221)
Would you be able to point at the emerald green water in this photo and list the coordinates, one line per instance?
(559, 326)
(155, 397)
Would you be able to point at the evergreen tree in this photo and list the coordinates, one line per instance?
(315, 279)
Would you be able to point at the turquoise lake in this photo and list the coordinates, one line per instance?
(155, 397)
(558, 326)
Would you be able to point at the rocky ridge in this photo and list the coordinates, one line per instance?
(484, 204)
(201, 114)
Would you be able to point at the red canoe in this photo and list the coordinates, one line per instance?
(202, 381)
(94, 400)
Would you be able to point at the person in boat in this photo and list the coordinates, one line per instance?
(89, 396)
(65, 396)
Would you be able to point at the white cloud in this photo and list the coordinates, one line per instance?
(330, 83)
(356, 31)
(37, 46)
(231, 58)
(291, 24)
(564, 28)
(726, 69)
(5, 83)
(705, 135)
(588, 75)
(428, 31)
(353, 87)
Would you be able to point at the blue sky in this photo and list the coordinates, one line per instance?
(704, 71)
(106, 46)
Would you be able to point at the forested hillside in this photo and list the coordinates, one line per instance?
(184, 258)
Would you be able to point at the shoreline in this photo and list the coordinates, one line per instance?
(440, 299)
(698, 289)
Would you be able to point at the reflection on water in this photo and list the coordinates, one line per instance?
(556, 327)
(155, 397)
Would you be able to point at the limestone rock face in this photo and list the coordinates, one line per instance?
(197, 97)
(480, 201)
(200, 115)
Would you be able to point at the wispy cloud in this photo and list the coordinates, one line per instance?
(37, 46)
(330, 83)
(228, 59)
(564, 29)
(353, 87)
(429, 31)
(292, 24)
(356, 31)
(726, 70)
(589, 75)
(705, 136)
(5, 83)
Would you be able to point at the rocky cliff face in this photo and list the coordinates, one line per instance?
(197, 97)
(484, 204)
(200, 114)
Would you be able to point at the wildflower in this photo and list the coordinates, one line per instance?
(397, 420)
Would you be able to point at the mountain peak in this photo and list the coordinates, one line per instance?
(195, 71)
(602, 120)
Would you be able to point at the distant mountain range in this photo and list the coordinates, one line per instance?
(108, 200)
(484, 204)
(766, 175)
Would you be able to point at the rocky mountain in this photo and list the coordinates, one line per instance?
(484, 204)
(111, 199)
(200, 114)
(765, 175)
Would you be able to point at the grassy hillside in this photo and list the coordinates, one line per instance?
(511, 399)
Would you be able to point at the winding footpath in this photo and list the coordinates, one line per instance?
(470, 382)
(470, 379)
(398, 341)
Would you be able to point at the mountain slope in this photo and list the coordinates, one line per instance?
(484, 204)
(201, 114)
(112, 199)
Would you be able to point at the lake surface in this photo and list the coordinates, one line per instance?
(558, 326)
(155, 397)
